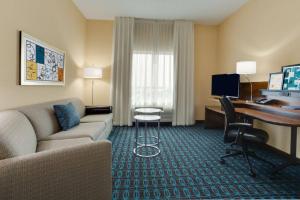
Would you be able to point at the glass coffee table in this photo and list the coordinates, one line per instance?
(146, 149)
(148, 110)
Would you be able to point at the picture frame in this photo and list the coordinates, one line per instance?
(41, 63)
(291, 77)
(275, 81)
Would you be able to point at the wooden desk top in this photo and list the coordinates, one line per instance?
(269, 117)
(263, 115)
(272, 108)
(215, 109)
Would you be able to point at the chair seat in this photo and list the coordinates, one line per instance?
(252, 135)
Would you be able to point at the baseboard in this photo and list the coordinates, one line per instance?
(278, 151)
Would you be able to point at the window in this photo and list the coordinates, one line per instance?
(152, 64)
(152, 79)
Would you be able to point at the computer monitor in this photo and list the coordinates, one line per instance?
(225, 85)
(291, 77)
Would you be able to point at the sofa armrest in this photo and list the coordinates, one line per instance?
(79, 172)
(94, 110)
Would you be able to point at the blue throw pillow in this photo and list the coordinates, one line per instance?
(67, 116)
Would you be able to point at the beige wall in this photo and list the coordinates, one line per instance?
(205, 66)
(267, 31)
(56, 22)
(99, 54)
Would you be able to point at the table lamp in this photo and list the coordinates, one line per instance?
(92, 73)
(246, 68)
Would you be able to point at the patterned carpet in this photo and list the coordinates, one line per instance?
(188, 168)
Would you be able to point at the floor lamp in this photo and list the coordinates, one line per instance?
(246, 68)
(92, 73)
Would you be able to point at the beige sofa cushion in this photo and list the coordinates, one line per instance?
(92, 130)
(17, 136)
(97, 118)
(43, 119)
(57, 144)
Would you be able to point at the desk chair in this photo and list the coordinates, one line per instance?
(241, 135)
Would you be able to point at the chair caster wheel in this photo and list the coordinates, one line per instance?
(222, 161)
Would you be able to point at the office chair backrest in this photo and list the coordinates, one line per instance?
(229, 116)
(228, 109)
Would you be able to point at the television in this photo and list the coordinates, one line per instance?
(291, 77)
(225, 85)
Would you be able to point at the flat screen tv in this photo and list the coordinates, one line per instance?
(291, 77)
(225, 85)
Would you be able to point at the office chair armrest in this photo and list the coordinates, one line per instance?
(240, 125)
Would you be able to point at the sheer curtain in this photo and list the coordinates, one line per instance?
(121, 74)
(153, 64)
(183, 112)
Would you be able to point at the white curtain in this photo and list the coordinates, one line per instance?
(153, 64)
(121, 75)
(183, 109)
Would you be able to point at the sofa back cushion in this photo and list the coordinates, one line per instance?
(17, 136)
(43, 118)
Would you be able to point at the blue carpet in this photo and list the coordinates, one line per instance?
(188, 168)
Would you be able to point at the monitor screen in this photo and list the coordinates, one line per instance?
(225, 85)
(291, 77)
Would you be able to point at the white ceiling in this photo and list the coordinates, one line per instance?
(204, 11)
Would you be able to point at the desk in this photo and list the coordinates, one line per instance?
(272, 115)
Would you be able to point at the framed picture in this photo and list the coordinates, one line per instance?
(41, 64)
(291, 75)
(275, 81)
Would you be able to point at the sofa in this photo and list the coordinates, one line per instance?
(39, 161)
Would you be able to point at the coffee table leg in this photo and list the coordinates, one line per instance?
(146, 132)
(147, 146)
(136, 137)
(158, 131)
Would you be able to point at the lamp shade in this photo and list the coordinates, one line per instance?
(92, 72)
(246, 67)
